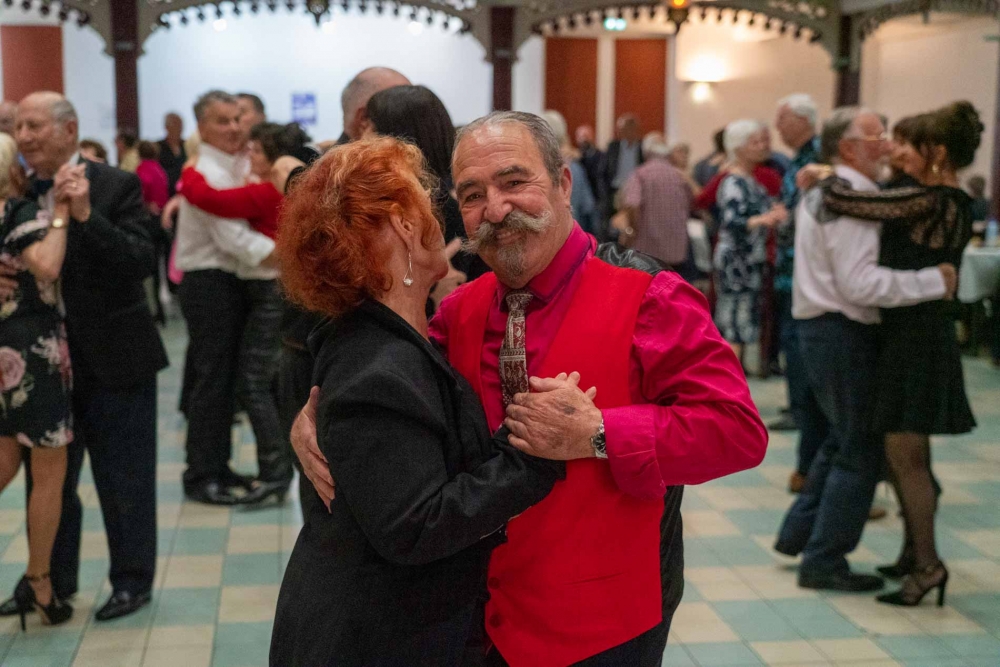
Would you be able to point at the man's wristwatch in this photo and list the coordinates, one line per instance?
(599, 443)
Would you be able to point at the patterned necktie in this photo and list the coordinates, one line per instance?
(513, 362)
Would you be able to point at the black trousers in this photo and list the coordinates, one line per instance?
(232, 350)
(117, 428)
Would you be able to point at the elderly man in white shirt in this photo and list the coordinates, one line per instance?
(228, 267)
(838, 289)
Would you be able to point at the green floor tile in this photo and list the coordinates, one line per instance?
(756, 522)
(730, 654)
(247, 654)
(816, 619)
(973, 645)
(242, 633)
(739, 551)
(756, 621)
(200, 541)
(915, 647)
(677, 656)
(983, 608)
(252, 570)
(187, 606)
(54, 659)
(40, 640)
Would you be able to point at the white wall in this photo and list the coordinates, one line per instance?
(756, 70)
(275, 55)
(88, 74)
(908, 67)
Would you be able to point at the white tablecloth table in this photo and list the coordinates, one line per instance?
(980, 274)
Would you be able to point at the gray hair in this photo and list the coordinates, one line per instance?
(210, 98)
(8, 157)
(802, 105)
(834, 129)
(558, 124)
(738, 133)
(654, 145)
(545, 138)
(63, 112)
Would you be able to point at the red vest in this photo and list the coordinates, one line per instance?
(580, 572)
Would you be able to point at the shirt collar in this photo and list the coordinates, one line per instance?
(808, 149)
(547, 284)
(223, 159)
(858, 180)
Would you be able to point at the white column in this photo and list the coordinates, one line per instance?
(605, 90)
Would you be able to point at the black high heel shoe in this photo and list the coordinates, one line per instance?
(55, 612)
(918, 584)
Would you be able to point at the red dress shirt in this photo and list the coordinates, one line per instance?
(692, 417)
(258, 203)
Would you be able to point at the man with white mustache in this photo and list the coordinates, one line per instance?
(592, 574)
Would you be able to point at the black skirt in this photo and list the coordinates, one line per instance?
(921, 386)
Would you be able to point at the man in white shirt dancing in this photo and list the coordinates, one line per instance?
(220, 257)
(838, 289)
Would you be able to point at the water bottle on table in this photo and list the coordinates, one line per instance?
(990, 240)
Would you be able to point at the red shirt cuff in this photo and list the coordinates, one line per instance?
(631, 439)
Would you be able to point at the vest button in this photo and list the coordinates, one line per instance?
(496, 620)
(493, 583)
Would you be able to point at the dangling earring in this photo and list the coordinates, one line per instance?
(408, 278)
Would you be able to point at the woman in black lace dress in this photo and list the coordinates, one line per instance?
(35, 373)
(921, 389)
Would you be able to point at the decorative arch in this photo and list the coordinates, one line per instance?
(821, 19)
(865, 23)
(153, 13)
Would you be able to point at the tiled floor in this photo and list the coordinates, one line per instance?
(220, 569)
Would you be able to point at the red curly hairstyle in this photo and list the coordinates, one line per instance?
(330, 239)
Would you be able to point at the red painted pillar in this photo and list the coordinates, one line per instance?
(502, 55)
(125, 46)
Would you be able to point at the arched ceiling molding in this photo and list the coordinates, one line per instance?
(822, 19)
(475, 18)
(93, 13)
(867, 22)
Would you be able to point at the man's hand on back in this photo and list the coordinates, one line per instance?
(306, 446)
(950, 276)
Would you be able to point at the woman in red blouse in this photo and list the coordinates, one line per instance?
(257, 202)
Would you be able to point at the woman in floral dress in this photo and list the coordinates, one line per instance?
(741, 252)
(35, 374)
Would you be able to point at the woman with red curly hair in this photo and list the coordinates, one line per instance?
(395, 573)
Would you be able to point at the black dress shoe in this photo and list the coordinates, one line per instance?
(236, 480)
(263, 491)
(121, 604)
(212, 492)
(850, 582)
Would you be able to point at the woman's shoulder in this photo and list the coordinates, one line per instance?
(367, 344)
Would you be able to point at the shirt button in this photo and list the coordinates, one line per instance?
(496, 620)
(493, 583)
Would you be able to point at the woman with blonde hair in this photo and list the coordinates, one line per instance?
(35, 376)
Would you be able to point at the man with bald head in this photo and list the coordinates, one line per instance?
(354, 99)
(8, 112)
(295, 366)
(116, 353)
